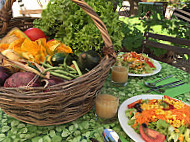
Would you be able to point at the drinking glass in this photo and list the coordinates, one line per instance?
(106, 106)
(119, 75)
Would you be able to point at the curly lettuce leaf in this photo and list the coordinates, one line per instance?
(67, 22)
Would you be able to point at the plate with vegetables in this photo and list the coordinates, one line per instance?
(155, 118)
(139, 64)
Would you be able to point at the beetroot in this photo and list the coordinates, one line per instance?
(20, 79)
(53, 80)
(4, 74)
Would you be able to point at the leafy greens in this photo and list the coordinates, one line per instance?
(67, 22)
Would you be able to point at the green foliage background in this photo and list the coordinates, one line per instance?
(134, 30)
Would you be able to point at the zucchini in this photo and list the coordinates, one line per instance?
(59, 58)
(88, 60)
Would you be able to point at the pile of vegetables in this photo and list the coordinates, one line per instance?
(67, 22)
(63, 44)
(30, 59)
(159, 120)
(138, 63)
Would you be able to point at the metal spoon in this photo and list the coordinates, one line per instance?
(110, 135)
(162, 90)
(153, 84)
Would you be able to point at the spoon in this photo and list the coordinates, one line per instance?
(110, 135)
(153, 84)
(162, 90)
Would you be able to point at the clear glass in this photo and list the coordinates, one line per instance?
(106, 106)
(119, 75)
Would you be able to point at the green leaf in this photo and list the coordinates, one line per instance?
(3, 120)
(71, 128)
(52, 133)
(76, 139)
(14, 130)
(186, 56)
(29, 136)
(37, 139)
(32, 128)
(14, 123)
(84, 140)
(46, 139)
(59, 128)
(23, 130)
(56, 138)
(5, 129)
(22, 136)
(77, 132)
(16, 140)
(2, 137)
(21, 125)
(7, 140)
(65, 133)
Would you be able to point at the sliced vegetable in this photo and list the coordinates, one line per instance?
(168, 106)
(150, 135)
(169, 98)
(132, 105)
(147, 60)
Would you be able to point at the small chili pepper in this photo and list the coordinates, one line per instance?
(149, 63)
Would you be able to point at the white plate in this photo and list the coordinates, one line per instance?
(156, 64)
(158, 68)
(123, 120)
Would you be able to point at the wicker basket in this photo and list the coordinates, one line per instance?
(63, 102)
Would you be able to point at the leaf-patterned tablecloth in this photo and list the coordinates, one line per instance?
(85, 127)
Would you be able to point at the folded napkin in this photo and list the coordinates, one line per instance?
(171, 92)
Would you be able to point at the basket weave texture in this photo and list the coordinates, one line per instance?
(63, 102)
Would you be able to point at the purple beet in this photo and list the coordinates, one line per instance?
(53, 80)
(19, 79)
(4, 74)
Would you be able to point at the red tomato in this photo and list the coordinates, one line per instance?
(169, 98)
(150, 135)
(169, 106)
(133, 104)
(34, 33)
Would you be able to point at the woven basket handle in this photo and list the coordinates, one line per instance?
(6, 15)
(108, 49)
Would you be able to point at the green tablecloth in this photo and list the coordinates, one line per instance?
(85, 127)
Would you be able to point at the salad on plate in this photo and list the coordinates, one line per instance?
(160, 120)
(138, 63)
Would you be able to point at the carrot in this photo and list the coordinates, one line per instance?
(181, 115)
